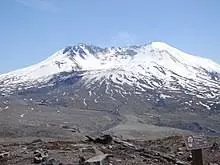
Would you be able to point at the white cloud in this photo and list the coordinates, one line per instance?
(123, 38)
(44, 5)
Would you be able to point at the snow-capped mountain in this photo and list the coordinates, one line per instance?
(154, 66)
(156, 60)
(153, 59)
(153, 78)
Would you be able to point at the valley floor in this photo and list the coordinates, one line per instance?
(60, 131)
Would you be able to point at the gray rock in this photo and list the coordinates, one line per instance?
(40, 156)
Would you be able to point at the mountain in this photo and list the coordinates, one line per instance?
(156, 83)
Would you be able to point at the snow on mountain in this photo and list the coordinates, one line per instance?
(152, 60)
(155, 82)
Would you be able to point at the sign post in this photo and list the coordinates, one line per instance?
(195, 144)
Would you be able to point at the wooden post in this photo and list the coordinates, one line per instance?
(197, 157)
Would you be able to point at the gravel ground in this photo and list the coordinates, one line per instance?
(167, 151)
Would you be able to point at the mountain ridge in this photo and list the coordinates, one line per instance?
(61, 55)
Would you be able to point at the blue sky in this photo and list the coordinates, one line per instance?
(31, 30)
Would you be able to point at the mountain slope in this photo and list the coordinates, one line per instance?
(155, 82)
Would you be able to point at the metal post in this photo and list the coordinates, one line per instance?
(197, 157)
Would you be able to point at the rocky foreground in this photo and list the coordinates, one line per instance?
(167, 151)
